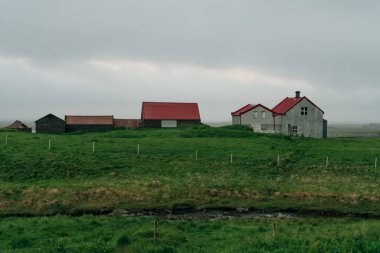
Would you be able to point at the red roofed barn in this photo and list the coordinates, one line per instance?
(163, 114)
(295, 116)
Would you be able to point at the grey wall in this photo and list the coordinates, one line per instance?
(235, 120)
(310, 125)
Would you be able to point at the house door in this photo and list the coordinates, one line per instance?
(289, 130)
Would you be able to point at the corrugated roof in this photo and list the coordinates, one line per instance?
(170, 111)
(89, 120)
(247, 108)
(288, 103)
(17, 125)
(243, 110)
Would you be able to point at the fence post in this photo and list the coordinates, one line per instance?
(231, 157)
(196, 155)
(49, 144)
(138, 149)
(6, 140)
(327, 162)
(278, 160)
(274, 230)
(155, 230)
(375, 163)
(93, 147)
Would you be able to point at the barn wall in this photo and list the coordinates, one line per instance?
(188, 122)
(94, 128)
(152, 123)
(158, 123)
(50, 125)
(26, 130)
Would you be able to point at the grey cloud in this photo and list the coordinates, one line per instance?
(333, 45)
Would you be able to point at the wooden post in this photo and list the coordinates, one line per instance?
(196, 155)
(375, 163)
(278, 160)
(93, 147)
(6, 140)
(274, 230)
(49, 144)
(327, 162)
(155, 230)
(138, 149)
(231, 157)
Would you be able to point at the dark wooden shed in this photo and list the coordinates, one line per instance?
(50, 124)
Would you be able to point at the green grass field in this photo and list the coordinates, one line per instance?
(118, 234)
(70, 179)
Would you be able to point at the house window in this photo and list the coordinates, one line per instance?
(294, 130)
(255, 115)
(263, 115)
(303, 110)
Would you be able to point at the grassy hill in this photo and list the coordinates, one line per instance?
(71, 179)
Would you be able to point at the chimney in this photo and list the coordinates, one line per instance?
(298, 94)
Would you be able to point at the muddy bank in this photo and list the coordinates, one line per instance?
(241, 213)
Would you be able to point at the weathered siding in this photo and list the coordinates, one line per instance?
(310, 125)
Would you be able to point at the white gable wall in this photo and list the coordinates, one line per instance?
(258, 123)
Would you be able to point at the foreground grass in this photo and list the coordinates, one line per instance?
(70, 179)
(118, 234)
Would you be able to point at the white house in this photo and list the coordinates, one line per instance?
(294, 116)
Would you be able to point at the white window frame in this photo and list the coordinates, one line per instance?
(263, 114)
(255, 114)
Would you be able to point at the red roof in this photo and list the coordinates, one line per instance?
(247, 108)
(170, 111)
(288, 103)
(17, 125)
(89, 120)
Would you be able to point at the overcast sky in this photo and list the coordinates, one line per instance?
(106, 57)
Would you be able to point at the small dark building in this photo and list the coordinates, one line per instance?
(324, 129)
(163, 114)
(50, 124)
(88, 123)
(19, 126)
